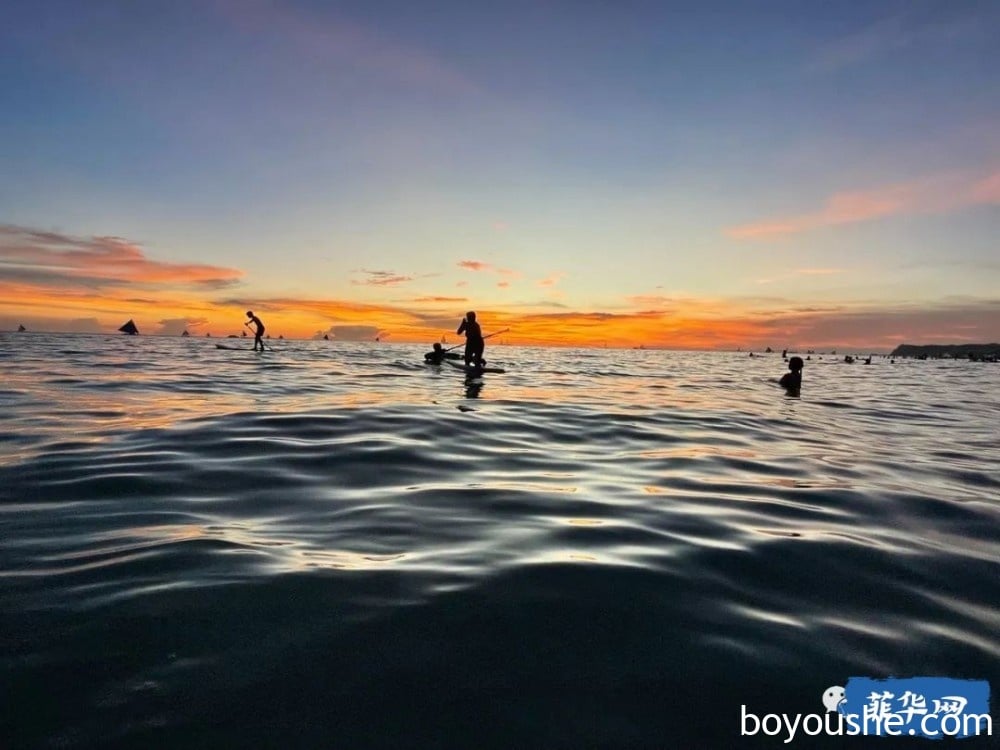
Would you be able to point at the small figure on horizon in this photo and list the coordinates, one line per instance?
(791, 381)
(258, 336)
(474, 342)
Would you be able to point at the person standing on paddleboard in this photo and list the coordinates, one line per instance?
(474, 343)
(257, 337)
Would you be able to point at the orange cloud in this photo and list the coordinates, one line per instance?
(551, 280)
(684, 323)
(935, 194)
(51, 297)
(49, 258)
(474, 265)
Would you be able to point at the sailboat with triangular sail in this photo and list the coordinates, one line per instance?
(21, 329)
(185, 333)
(129, 328)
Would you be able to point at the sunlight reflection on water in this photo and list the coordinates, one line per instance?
(612, 526)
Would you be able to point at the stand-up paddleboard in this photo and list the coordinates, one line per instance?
(234, 348)
(475, 370)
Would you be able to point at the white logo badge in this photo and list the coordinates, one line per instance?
(833, 697)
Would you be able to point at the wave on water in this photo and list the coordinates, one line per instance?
(336, 545)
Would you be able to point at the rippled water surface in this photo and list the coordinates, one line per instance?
(333, 545)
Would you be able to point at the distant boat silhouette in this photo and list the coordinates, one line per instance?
(208, 335)
(279, 337)
(244, 334)
(129, 328)
(21, 329)
(326, 337)
(185, 333)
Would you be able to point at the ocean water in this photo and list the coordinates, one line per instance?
(333, 545)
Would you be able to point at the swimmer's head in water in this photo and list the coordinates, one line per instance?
(795, 364)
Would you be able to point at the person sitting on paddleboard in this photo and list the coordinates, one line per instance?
(791, 381)
(257, 337)
(474, 343)
(437, 356)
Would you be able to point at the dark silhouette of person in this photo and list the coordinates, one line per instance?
(437, 356)
(474, 343)
(791, 381)
(259, 332)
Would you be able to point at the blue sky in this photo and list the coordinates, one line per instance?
(589, 155)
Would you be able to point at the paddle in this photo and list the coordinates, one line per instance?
(495, 333)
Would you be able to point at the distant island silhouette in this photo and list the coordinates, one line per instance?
(947, 351)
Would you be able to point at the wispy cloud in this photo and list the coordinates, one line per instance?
(940, 193)
(342, 44)
(893, 35)
(440, 299)
(479, 266)
(380, 278)
(801, 272)
(474, 265)
(552, 280)
(60, 260)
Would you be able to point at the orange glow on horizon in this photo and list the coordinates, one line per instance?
(58, 282)
(694, 324)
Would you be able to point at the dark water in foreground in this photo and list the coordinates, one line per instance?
(335, 546)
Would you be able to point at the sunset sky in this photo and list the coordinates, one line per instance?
(698, 174)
